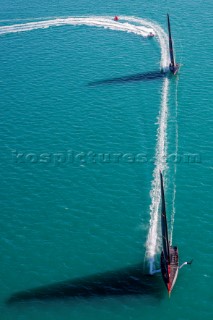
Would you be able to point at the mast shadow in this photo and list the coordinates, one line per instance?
(148, 76)
(127, 281)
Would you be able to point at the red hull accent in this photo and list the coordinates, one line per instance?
(170, 270)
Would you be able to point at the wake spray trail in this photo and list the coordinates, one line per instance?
(176, 159)
(160, 164)
(141, 27)
(96, 21)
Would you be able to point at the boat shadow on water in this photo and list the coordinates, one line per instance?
(148, 76)
(123, 282)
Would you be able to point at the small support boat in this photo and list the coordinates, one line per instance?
(151, 35)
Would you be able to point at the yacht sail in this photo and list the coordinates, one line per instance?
(169, 254)
(173, 67)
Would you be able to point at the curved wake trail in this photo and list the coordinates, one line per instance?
(140, 27)
(102, 22)
(143, 28)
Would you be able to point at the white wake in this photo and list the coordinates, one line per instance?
(140, 27)
(175, 163)
(153, 241)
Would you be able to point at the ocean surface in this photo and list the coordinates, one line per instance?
(84, 132)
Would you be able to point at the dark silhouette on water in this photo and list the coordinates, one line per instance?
(148, 76)
(127, 281)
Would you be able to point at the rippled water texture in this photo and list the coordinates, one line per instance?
(87, 120)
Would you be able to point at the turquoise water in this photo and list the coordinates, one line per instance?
(68, 214)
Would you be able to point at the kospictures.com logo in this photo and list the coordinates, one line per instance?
(90, 157)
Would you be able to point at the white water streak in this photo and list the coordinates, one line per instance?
(175, 164)
(143, 28)
(160, 165)
(102, 22)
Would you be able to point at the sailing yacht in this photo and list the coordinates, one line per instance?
(169, 254)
